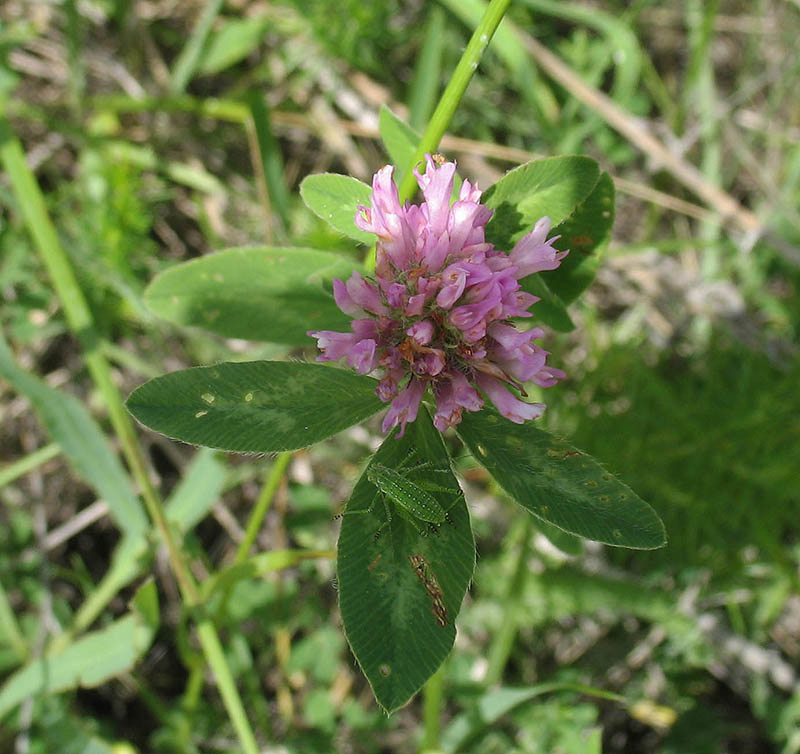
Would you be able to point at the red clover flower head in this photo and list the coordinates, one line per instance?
(438, 311)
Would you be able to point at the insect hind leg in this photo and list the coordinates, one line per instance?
(387, 522)
(346, 512)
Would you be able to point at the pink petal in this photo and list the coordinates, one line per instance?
(404, 407)
(509, 406)
(535, 253)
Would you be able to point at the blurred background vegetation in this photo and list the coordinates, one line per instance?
(161, 130)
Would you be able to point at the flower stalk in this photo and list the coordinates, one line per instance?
(454, 91)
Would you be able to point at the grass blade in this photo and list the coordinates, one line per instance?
(81, 441)
(427, 72)
(188, 61)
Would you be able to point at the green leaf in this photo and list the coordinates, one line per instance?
(567, 543)
(585, 233)
(200, 487)
(198, 490)
(486, 711)
(257, 566)
(550, 309)
(400, 141)
(335, 199)
(58, 731)
(256, 406)
(552, 187)
(91, 660)
(389, 614)
(266, 294)
(559, 484)
(234, 41)
(82, 442)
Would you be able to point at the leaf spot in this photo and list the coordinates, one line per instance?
(200, 414)
(481, 450)
(385, 670)
(248, 397)
(617, 534)
(590, 483)
(622, 497)
(608, 477)
(208, 397)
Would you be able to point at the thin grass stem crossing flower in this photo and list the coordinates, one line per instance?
(439, 311)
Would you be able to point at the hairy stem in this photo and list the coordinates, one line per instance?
(455, 89)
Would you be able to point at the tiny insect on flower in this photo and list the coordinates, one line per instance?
(437, 313)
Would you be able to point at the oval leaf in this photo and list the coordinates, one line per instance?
(400, 141)
(335, 199)
(255, 406)
(91, 660)
(552, 187)
(550, 308)
(560, 484)
(267, 294)
(585, 232)
(400, 592)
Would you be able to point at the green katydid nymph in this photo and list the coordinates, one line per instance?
(411, 498)
(407, 494)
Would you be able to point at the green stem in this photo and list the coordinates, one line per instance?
(452, 95)
(432, 710)
(262, 506)
(194, 686)
(212, 649)
(209, 107)
(503, 642)
(10, 629)
(33, 460)
(32, 205)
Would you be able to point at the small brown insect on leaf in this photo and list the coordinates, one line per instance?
(425, 574)
(562, 454)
